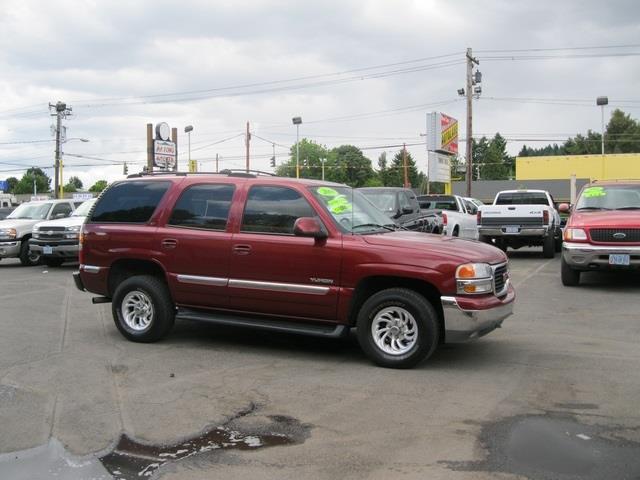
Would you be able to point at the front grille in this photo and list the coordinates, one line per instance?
(528, 221)
(51, 233)
(500, 276)
(617, 235)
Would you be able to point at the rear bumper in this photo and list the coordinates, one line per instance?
(78, 281)
(584, 256)
(523, 232)
(464, 324)
(9, 249)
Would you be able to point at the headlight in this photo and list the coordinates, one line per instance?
(8, 233)
(75, 228)
(575, 234)
(72, 232)
(474, 278)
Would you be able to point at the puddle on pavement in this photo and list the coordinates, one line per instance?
(551, 447)
(130, 459)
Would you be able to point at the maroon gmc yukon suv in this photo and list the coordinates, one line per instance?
(288, 255)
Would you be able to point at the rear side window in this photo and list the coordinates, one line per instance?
(129, 202)
(274, 210)
(203, 206)
(522, 198)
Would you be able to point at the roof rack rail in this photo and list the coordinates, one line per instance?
(153, 174)
(227, 171)
(237, 172)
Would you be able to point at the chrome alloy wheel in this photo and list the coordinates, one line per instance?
(137, 310)
(394, 330)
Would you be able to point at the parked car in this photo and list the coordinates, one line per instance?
(401, 206)
(4, 211)
(56, 241)
(603, 230)
(15, 230)
(282, 254)
(458, 215)
(521, 218)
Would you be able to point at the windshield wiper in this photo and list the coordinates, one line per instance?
(374, 225)
(592, 208)
(628, 208)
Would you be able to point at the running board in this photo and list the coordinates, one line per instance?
(277, 325)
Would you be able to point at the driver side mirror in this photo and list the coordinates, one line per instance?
(564, 208)
(407, 209)
(309, 227)
(60, 215)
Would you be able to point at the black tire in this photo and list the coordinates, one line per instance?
(549, 247)
(425, 320)
(151, 292)
(27, 258)
(456, 232)
(53, 262)
(570, 277)
(558, 244)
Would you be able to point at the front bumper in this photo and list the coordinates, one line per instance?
(9, 249)
(464, 324)
(584, 256)
(59, 250)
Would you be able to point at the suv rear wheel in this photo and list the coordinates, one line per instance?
(397, 328)
(142, 309)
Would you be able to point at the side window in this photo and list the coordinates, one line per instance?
(61, 210)
(203, 206)
(274, 210)
(129, 202)
(471, 208)
(404, 201)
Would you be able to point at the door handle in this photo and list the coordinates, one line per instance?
(242, 249)
(169, 243)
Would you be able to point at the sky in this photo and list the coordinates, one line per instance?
(358, 72)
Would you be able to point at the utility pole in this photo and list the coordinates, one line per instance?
(248, 139)
(404, 166)
(62, 111)
(470, 92)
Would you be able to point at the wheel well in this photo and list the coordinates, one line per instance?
(372, 285)
(123, 269)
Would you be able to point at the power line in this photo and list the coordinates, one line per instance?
(600, 47)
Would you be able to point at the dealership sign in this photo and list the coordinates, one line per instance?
(442, 133)
(164, 154)
(439, 168)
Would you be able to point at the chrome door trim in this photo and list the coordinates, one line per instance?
(279, 287)
(200, 280)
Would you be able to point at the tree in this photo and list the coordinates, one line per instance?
(395, 176)
(99, 186)
(12, 182)
(75, 181)
(311, 154)
(25, 185)
(491, 160)
(383, 169)
(347, 164)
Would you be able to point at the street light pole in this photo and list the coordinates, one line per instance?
(188, 129)
(297, 121)
(601, 102)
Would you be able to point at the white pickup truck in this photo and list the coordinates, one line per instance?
(458, 214)
(520, 218)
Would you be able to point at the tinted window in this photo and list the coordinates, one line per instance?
(129, 202)
(436, 202)
(274, 210)
(522, 198)
(203, 206)
(61, 210)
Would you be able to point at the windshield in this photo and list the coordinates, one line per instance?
(610, 197)
(438, 203)
(351, 210)
(32, 211)
(84, 208)
(385, 201)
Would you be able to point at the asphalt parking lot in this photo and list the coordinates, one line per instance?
(553, 394)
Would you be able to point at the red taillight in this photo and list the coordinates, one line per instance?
(444, 218)
(80, 242)
(479, 217)
(545, 217)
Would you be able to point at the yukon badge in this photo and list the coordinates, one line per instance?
(324, 281)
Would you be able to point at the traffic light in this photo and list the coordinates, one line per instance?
(273, 161)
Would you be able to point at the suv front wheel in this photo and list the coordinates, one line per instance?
(397, 328)
(142, 309)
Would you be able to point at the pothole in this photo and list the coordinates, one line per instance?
(132, 459)
(552, 447)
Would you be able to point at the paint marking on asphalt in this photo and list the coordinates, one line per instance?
(532, 274)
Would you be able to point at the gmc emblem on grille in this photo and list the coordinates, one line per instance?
(619, 235)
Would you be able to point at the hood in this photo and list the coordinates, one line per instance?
(62, 222)
(18, 224)
(605, 219)
(451, 247)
